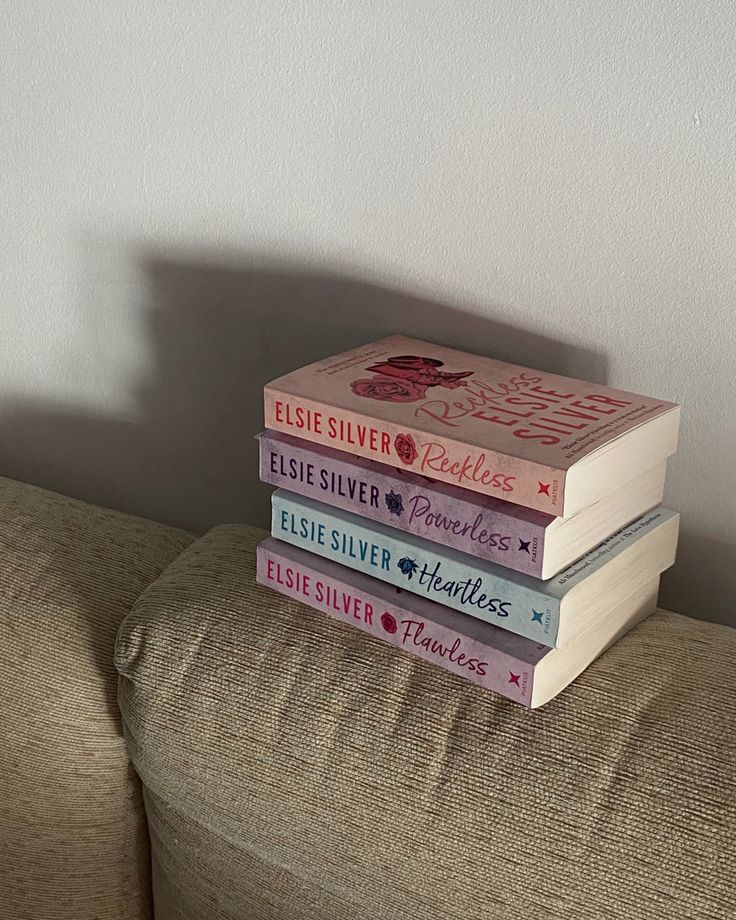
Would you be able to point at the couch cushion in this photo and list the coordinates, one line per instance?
(298, 769)
(73, 841)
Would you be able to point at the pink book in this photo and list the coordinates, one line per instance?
(540, 440)
(518, 668)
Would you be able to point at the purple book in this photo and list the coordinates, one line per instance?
(518, 538)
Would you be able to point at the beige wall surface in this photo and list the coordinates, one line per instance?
(198, 196)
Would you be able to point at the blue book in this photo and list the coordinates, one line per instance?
(553, 612)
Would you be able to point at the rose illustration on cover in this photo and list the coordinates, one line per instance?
(405, 448)
(389, 623)
(388, 390)
(394, 503)
(405, 378)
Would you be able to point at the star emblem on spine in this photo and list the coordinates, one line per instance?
(514, 678)
(543, 488)
(524, 546)
(537, 616)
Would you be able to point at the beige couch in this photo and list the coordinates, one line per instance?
(293, 768)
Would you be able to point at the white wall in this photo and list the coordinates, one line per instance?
(199, 195)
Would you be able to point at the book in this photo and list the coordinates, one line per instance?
(518, 538)
(520, 669)
(552, 612)
(531, 438)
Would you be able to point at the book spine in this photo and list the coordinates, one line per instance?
(512, 479)
(469, 658)
(382, 494)
(416, 565)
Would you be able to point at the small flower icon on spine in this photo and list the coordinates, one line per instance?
(405, 448)
(407, 566)
(394, 503)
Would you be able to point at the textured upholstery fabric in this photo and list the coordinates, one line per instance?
(73, 841)
(297, 769)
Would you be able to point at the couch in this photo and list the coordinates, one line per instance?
(179, 742)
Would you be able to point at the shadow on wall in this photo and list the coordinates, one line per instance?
(218, 334)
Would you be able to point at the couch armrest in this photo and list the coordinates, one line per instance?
(73, 841)
(295, 767)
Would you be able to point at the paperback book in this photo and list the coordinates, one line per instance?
(553, 612)
(521, 669)
(532, 438)
(515, 537)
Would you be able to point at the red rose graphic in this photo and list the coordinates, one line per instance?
(405, 448)
(389, 623)
(388, 389)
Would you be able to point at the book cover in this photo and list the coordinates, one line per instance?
(510, 600)
(485, 425)
(471, 648)
(477, 524)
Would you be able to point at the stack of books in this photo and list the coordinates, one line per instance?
(501, 522)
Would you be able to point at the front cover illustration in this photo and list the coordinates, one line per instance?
(482, 424)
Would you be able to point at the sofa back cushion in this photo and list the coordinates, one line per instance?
(73, 840)
(297, 769)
